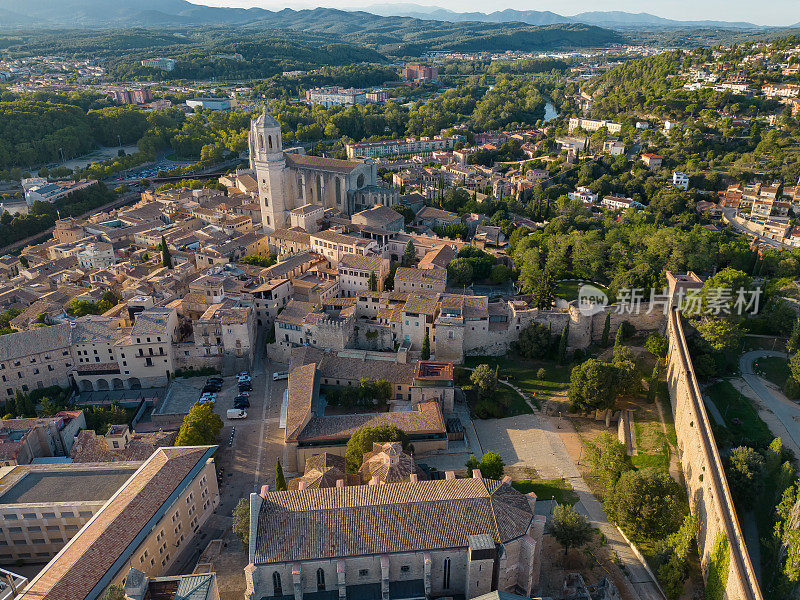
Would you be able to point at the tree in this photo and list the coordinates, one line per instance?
(460, 272)
(363, 438)
(241, 521)
(259, 261)
(114, 592)
(166, 257)
(409, 254)
(648, 503)
(793, 344)
(609, 459)
(534, 341)
(570, 528)
(606, 331)
(426, 347)
(500, 274)
(200, 427)
(372, 283)
(593, 385)
(485, 378)
(280, 480)
(721, 333)
(745, 472)
(562, 344)
(657, 345)
(24, 262)
(492, 466)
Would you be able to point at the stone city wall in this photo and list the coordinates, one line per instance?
(709, 496)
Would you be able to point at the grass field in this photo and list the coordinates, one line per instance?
(548, 489)
(742, 423)
(773, 369)
(522, 373)
(568, 289)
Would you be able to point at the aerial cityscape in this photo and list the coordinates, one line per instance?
(349, 302)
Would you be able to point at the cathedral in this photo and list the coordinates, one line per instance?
(289, 180)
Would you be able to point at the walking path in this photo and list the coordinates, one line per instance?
(785, 410)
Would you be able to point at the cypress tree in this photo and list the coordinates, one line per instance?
(562, 345)
(166, 257)
(280, 480)
(606, 331)
(426, 347)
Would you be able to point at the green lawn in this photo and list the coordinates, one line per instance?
(548, 489)
(743, 425)
(773, 369)
(522, 373)
(568, 290)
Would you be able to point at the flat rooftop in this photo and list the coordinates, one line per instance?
(66, 485)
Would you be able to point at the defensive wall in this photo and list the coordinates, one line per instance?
(719, 533)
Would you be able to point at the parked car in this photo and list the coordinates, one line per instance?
(236, 413)
(278, 375)
(245, 387)
(243, 403)
(212, 388)
(208, 397)
(243, 374)
(214, 379)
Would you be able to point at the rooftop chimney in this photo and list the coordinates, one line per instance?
(302, 484)
(374, 480)
(339, 483)
(449, 474)
(413, 478)
(507, 480)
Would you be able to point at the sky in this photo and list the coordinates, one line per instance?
(768, 12)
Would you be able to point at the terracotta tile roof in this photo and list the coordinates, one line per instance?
(417, 303)
(440, 257)
(322, 524)
(291, 235)
(84, 563)
(301, 391)
(34, 341)
(388, 463)
(426, 420)
(89, 447)
(294, 313)
(420, 275)
(363, 263)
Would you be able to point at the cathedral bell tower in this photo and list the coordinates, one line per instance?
(269, 166)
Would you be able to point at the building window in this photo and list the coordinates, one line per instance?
(320, 580)
(363, 572)
(277, 585)
(446, 582)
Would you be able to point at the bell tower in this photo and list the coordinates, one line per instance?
(269, 166)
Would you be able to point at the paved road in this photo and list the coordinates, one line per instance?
(785, 410)
(534, 441)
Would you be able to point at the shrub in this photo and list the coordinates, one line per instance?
(541, 373)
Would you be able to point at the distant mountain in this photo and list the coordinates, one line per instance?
(616, 19)
(388, 35)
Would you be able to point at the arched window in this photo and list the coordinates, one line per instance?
(260, 142)
(338, 184)
(277, 585)
(360, 181)
(320, 580)
(269, 139)
(446, 578)
(320, 199)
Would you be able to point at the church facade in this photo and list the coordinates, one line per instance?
(290, 180)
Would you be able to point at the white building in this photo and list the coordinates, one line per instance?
(594, 125)
(619, 203)
(209, 103)
(165, 64)
(680, 180)
(584, 194)
(97, 255)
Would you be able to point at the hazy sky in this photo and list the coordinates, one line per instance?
(765, 12)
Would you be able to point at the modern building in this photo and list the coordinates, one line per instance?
(336, 96)
(43, 506)
(680, 180)
(593, 125)
(209, 103)
(401, 541)
(96, 255)
(405, 146)
(418, 73)
(140, 95)
(145, 524)
(197, 586)
(165, 64)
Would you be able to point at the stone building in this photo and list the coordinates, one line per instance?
(145, 524)
(451, 537)
(287, 181)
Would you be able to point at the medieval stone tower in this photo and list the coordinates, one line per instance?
(269, 165)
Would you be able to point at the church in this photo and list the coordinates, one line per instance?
(289, 180)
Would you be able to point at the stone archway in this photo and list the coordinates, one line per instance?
(117, 384)
(85, 385)
(134, 383)
(102, 384)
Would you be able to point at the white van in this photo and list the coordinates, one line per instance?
(277, 375)
(236, 413)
